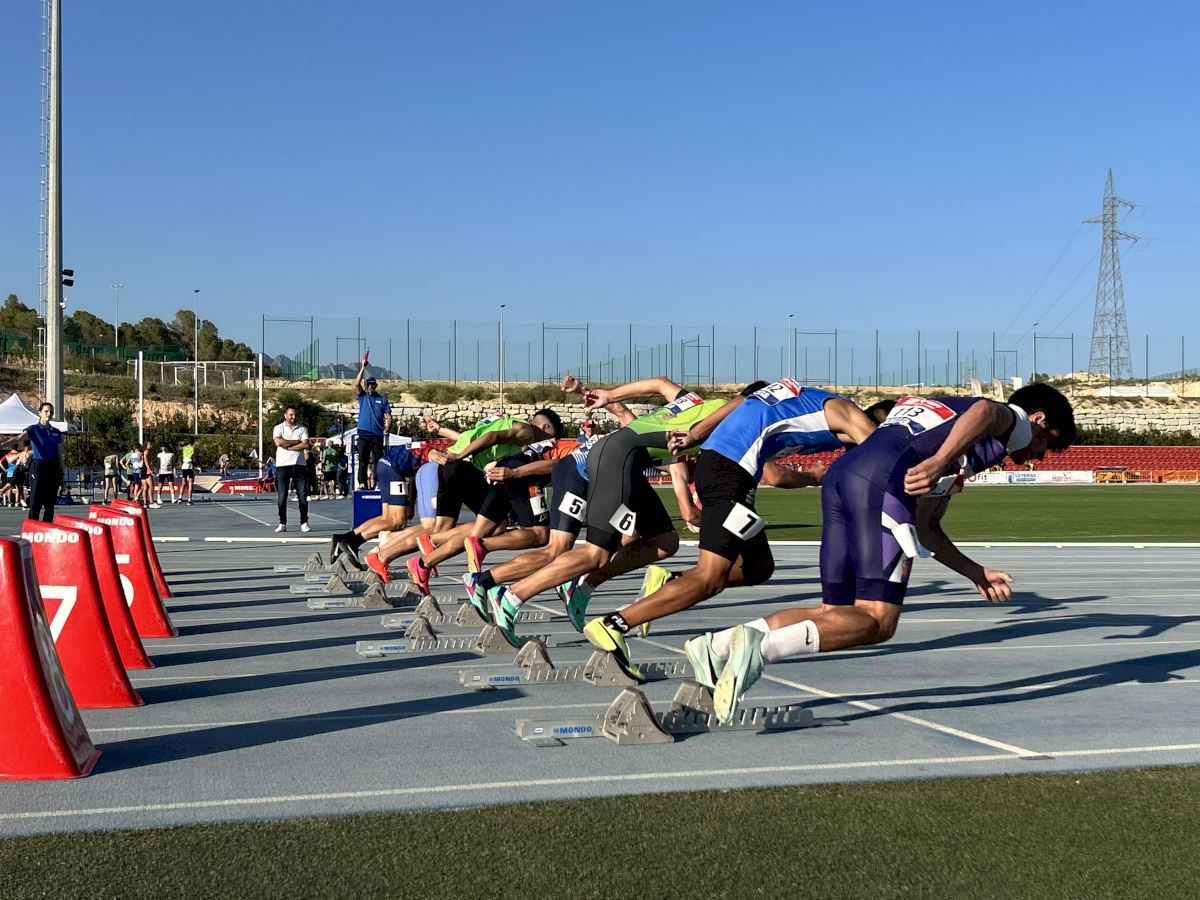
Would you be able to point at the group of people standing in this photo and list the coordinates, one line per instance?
(148, 474)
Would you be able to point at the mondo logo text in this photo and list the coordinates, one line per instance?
(51, 537)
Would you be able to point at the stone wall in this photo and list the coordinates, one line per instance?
(1166, 419)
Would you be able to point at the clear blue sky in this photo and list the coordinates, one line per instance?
(862, 165)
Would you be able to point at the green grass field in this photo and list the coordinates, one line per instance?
(1106, 834)
(1096, 512)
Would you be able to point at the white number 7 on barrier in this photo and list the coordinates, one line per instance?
(66, 594)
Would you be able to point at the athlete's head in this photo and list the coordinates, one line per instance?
(549, 421)
(877, 412)
(370, 384)
(1051, 420)
(751, 388)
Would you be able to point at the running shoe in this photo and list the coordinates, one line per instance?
(475, 594)
(612, 641)
(575, 595)
(426, 546)
(304, 527)
(743, 668)
(336, 548)
(417, 573)
(705, 663)
(504, 614)
(351, 556)
(279, 529)
(475, 554)
(378, 566)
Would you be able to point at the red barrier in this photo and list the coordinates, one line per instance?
(140, 513)
(62, 558)
(116, 590)
(149, 615)
(44, 735)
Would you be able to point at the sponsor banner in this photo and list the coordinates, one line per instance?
(1078, 476)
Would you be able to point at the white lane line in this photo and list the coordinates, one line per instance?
(246, 514)
(171, 540)
(871, 707)
(1000, 543)
(1132, 642)
(267, 539)
(622, 778)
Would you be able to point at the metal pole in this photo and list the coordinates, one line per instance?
(54, 262)
(792, 344)
(117, 315)
(1033, 378)
(876, 360)
(920, 378)
(754, 355)
(454, 357)
(993, 378)
(587, 352)
(501, 355)
(260, 415)
(141, 361)
(835, 362)
(712, 357)
(957, 363)
(196, 362)
(629, 358)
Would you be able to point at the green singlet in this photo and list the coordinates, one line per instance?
(488, 454)
(679, 415)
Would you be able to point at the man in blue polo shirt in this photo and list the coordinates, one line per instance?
(374, 421)
(45, 469)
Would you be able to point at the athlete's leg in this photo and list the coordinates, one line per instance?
(559, 542)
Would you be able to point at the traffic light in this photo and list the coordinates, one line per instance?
(68, 277)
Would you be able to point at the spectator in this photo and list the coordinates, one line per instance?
(45, 465)
(374, 423)
(343, 472)
(586, 430)
(112, 465)
(223, 463)
(187, 470)
(329, 470)
(291, 442)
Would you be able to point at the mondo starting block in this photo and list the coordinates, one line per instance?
(631, 720)
(147, 609)
(44, 734)
(426, 640)
(601, 669)
(314, 563)
(142, 515)
(70, 591)
(116, 591)
(467, 616)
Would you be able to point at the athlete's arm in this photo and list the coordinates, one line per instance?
(597, 397)
(520, 433)
(847, 421)
(431, 424)
(991, 584)
(775, 475)
(529, 470)
(678, 441)
(362, 370)
(683, 493)
(983, 419)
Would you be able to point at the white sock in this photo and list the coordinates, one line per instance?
(791, 640)
(512, 597)
(720, 641)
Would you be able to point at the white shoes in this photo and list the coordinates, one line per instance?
(280, 528)
(304, 527)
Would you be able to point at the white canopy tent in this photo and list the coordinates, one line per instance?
(16, 415)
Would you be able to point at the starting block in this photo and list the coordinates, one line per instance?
(630, 719)
(489, 640)
(366, 601)
(535, 667)
(467, 616)
(312, 564)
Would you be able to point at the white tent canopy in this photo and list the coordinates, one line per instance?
(16, 415)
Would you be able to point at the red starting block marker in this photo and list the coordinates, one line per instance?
(44, 735)
(142, 514)
(66, 576)
(115, 589)
(149, 615)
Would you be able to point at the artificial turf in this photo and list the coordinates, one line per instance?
(1126, 833)
(1020, 513)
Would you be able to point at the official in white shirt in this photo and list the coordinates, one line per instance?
(291, 470)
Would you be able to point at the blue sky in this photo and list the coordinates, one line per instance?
(860, 165)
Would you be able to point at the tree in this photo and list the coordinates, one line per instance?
(18, 318)
(87, 328)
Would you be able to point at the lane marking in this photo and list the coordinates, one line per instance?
(623, 778)
(246, 514)
(267, 539)
(871, 707)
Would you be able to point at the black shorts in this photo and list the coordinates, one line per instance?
(165, 479)
(569, 492)
(460, 483)
(521, 500)
(135, 477)
(185, 474)
(729, 525)
(620, 499)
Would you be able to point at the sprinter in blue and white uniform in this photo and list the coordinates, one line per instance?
(772, 420)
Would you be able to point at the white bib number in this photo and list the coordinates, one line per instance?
(774, 394)
(744, 522)
(918, 414)
(574, 506)
(399, 489)
(624, 520)
(537, 503)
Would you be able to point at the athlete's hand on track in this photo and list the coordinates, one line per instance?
(594, 398)
(678, 441)
(921, 478)
(995, 586)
